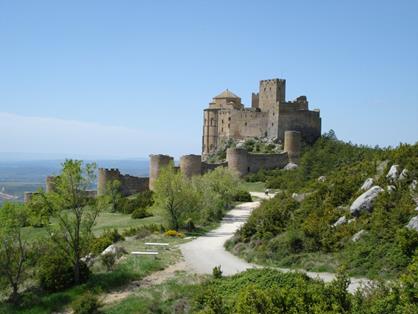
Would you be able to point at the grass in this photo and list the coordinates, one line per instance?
(172, 296)
(106, 220)
(254, 186)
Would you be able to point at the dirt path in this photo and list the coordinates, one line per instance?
(151, 280)
(204, 253)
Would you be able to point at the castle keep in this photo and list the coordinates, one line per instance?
(269, 116)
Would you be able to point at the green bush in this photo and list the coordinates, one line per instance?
(128, 205)
(86, 304)
(107, 238)
(140, 213)
(189, 225)
(108, 260)
(56, 273)
(217, 272)
(242, 196)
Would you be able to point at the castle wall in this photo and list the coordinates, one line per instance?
(242, 162)
(304, 121)
(128, 184)
(206, 167)
(247, 124)
(266, 161)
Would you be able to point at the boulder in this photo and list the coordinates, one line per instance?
(300, 197)
(413, 223)
(391, 188)
(322, 179)
(340, 221)
(393, 173)
(367, 184)
(413, 185)
(365, 200)
(88, 259)
(290, 166)
(351, 220)
(114, 249)
(416, 208)
(358, 235)
(404, 174)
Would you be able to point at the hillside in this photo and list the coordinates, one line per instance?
(345, 205)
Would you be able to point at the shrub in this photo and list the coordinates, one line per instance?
(128, 205)
(108, 260)
(217, 272)
(56, 273)
(99, 244)
(242, 196)
(140, 213)
(86, 304)
(173, 234)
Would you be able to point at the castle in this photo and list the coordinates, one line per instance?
(270, 116)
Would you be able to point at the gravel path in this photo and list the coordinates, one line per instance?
(204, 253)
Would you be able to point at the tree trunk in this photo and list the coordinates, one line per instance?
(77, 272)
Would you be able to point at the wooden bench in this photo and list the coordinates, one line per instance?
(156, 244)
(145, 253)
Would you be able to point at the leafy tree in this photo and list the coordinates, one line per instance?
(113, 195)
(72, 210)
(171, 195)
(13, 250)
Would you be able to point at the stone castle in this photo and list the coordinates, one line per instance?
(270, 116)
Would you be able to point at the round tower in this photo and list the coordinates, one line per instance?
(191, 165)
(156, 163)
(238, 161)
(27, 197)
(50, 184)
(104, 177)
(292, 145)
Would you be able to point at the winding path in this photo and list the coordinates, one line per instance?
(204, 253)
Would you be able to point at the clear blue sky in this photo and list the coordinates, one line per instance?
(130, 78)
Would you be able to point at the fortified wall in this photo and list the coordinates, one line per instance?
(128, 184)
(238, 160)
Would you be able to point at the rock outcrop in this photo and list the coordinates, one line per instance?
(358, 235)
(322, 179)
(115, 250)
(404, 174)
(413, 223)
(290, 166)
(368, 183)
(342, 220)
(365, 201)
(393, 173)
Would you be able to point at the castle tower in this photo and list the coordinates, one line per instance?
(237, 161)
(156, 163)
(210, 131)
(104, 178)
(292, 145)
(191, 165)
(271, 92)
(50, 185)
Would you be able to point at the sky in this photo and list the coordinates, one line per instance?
(126, 79)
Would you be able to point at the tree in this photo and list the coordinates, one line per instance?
(172, 196)
(72, 210)
(13, 250)
(113, 195)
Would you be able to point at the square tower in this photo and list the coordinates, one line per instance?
(271, 92)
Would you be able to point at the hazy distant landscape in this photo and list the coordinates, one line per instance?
(17, 177)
